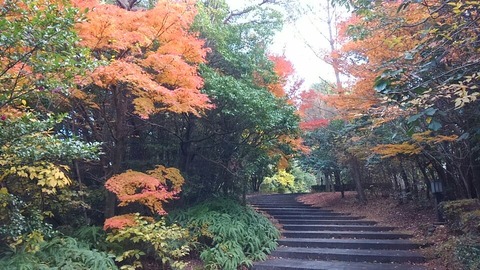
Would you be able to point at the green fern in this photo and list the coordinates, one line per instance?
(58, 253)
(229, 235)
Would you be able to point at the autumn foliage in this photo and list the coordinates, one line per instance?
(151, 189)
(151, 52)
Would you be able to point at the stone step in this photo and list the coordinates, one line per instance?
(301, 216)
(289, 264)
(280, 205)
(295, 209)
(395, 244)
(344, 234)
(325, 221)
(298, 227)
(305, 213)
(350, 255)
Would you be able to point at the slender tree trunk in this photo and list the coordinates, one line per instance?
(423, 170)
(356, 175)
(120, 134)
(339, 183)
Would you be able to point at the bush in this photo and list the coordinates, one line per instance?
(167, 243)
(22, 226)
(463, 219)
(228, 235)
(462, 216)
(57, 253)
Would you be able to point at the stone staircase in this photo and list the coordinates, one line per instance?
(314, 238)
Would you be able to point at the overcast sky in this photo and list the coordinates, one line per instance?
(291, 41)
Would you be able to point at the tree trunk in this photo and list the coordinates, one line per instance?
(119, 133)
(356, 175)
(339, 183)
(423, 170)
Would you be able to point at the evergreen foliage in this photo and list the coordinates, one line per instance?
(228, 235)
(58, 253)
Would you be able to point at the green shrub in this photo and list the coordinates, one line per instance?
(57, 253)
(463, 219)
(462, 216)
(22, 227)
(168, 243)
(95, 236)
(228, 235)
(467, 252)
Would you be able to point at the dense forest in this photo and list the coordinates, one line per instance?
(132, 131)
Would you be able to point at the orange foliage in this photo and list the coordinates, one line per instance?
(412, 148)
(313, 110)
(120, 222)
(152, 52)
(296, 143)
(385, 41)
(391, 150)
(428, 138)
(152, 190)
(283, 70)
(168, 176)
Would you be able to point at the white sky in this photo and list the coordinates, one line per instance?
(291, 42)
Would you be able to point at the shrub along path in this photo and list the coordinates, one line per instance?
(314, 238)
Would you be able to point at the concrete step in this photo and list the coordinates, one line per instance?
(344, 234)
(325, 221)
(350, 255)
(289, 264)
(298, 227)
(301, 216)
(295, 209)
(394, 244)
(280, 205)
(306, 214)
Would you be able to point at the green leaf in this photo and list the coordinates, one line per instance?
(414, 118)
(380, 86)
(430, 111)
(434, 125)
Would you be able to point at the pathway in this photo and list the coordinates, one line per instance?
(314, 238)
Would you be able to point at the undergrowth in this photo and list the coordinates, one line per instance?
(463, 220)
(227, 234)
(57, 253)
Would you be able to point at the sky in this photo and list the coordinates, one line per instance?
(291, 41)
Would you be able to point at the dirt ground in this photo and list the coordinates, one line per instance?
(415, 219)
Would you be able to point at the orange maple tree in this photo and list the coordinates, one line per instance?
(368, 46)
(150, 52)
(150, 189)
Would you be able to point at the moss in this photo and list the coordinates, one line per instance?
(462, 216)
(463, 219)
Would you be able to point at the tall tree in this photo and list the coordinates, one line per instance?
(150, 60)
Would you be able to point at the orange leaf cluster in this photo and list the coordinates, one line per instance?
(428, 138)
(385, 41)
(314, 124)
(314, 111)
(151, 190)
(415, 148)
(152, 52)
(120, 222)
(391, 150)
(283, 70)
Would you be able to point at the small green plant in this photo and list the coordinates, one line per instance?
(95, 236)
(463, 219)
(57, 253)
(22, 227)
(169, 242)
(228, 235)
(468, 253)
(463, 216)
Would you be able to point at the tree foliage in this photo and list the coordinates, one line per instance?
(413, 98)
